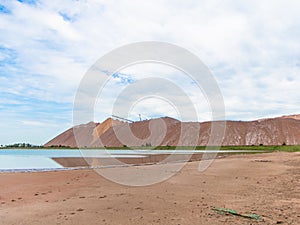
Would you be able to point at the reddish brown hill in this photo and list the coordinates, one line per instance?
(296, 117)
(84, 133)
(139, 133)
(167, 131)
(101, 128)
(275, 131)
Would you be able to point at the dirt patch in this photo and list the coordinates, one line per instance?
(262, 184)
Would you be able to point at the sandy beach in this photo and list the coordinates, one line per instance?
(265, 184)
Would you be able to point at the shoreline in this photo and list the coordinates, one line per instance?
(81, 163)
(147, 159)
(266, 184)
(77, 161)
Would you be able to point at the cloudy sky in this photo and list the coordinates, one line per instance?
(47, 46)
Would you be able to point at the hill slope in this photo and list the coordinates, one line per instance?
(167, 131)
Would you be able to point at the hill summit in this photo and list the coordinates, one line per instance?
(166, 131)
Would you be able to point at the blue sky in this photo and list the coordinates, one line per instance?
(46, 47)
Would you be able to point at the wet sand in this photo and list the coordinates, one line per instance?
(265, 184)
(147, 159)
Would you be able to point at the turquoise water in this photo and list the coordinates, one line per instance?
(27, 163)
(41, 159)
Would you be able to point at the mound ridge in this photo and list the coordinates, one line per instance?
(167, 131)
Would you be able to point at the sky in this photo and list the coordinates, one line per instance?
(46, 46)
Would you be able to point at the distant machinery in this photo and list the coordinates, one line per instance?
(121, 118)
(130, 121)
(145, 117)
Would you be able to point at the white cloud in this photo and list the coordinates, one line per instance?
(252, 47)
(35, 123)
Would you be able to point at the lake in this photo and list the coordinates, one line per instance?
(12, 160)
(41, 159)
